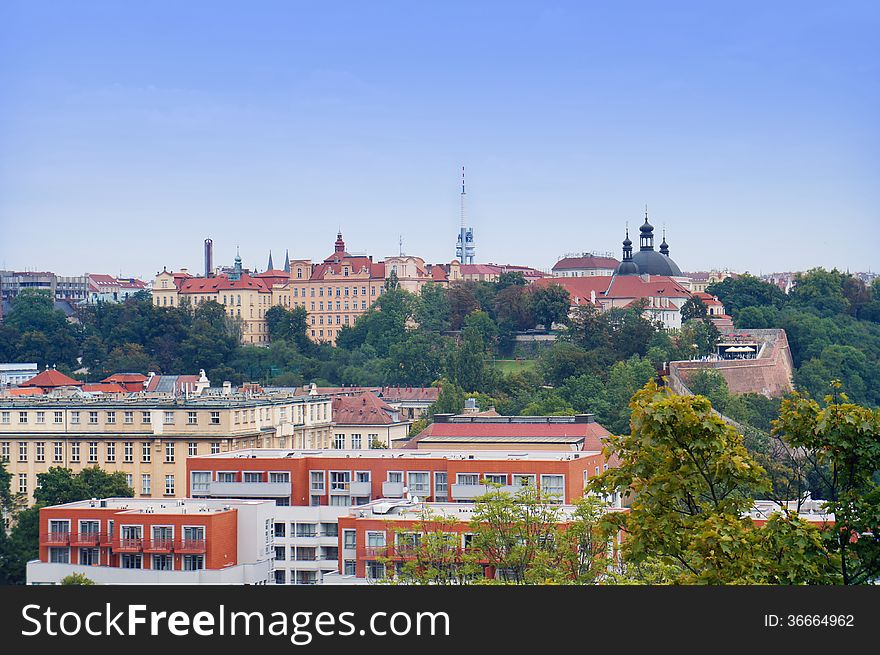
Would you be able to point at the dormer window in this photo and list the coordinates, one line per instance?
(345, 271)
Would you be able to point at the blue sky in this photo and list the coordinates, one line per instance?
(130, 131)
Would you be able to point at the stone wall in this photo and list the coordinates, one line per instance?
(769, 374)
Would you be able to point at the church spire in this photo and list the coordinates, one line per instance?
(270, 267)
(646, 239)
(664, 247)
(286, 260)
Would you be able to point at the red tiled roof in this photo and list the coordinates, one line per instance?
(707, 299)
(363, 409)
(397, 394)
(438, 273)
(223, 283)
(480, 269)
(377, 270)
(567, 263)
(125, 377)
(104, 387)
(580, 288)
(179, 382)
(634, 286)
(592, 433)
(49, 379)
(25, 391)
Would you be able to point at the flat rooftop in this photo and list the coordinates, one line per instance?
(150, 400)
(486, 455)
(156, 506)
(407, 510)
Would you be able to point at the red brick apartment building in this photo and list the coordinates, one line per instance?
(129, 540)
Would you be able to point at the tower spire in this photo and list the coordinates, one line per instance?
(271, 267)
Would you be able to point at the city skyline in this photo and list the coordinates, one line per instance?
(132, 133)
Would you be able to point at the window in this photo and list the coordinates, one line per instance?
(22, 483)
(74, 418)
(281, 530)
(74, 451)
(4, 417)
(200, 481)
(128, 452)
(215, 418)
(41, 417)
(192, 449)
(4, 451)
(58, 455)
(226, 476)
(145, 417)
(339, 441)
(169, 452)
(315, 501)
(93, 418)
(356, 442)
(306, 554)
(145, 484)
(41, 451)
(22, 417)
(496, 478)
(215, 447)
(523, 480)
(93, 451)
(349, 567)
(349, 539)
(395, 476)
(131, 561)
(169, 418)
(441, 487)
(89, 557)
(250, 476)
(279, 477)
(280, 551)
(111, 452)
(339, 480)
(111, 417)
(169, 485)
(59, 417)
(467, 478)
(375, 539)
(362, 476)
(163, 562)
(375, 570)
(22, 451)
(329, 529)
(191, 418)
(59, 555)
(553, 485)
(419, 483)
(316, 481)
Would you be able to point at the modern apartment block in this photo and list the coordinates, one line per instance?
(148, 436)
(145, 541)
(344, 478)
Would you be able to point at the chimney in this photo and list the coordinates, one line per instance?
(209, 257)
(227, 388)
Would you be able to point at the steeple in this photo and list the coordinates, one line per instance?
(270, 267)
(286, 260)
(339, 246)
(236, 269)
(646, 240)
(664, 247)
(627, 266)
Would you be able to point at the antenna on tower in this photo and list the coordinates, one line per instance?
(465, 248)
(400, 244)
(463, 194)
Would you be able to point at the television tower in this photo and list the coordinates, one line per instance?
(465, 249)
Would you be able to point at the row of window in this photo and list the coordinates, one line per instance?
(340, 291)
(146, 483)
(91, 451)
(340, 320)
(91, 557)
(307, 530)
(355, 442)
(306, 553)
(92, 416)
(419, 483)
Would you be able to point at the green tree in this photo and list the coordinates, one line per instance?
(61, 485)
(77, 579)
(712, 385)
(820, 290)
(693, 308)
(129, 357)
(432, 308)
(691, 483)
(550, 304)
(837, 447)
(746, 291)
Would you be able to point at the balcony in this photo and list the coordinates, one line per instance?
(128, 545)
(84, 539)
(392, 489)
(105, 538)
(190, 546)
(158, 545)
(377, 551)
(245, 490)
(471, 491)
(361, 488)
(55, 539)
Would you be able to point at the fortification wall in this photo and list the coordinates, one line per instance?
(770, 374)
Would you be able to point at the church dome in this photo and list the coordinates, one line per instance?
(655, 263)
